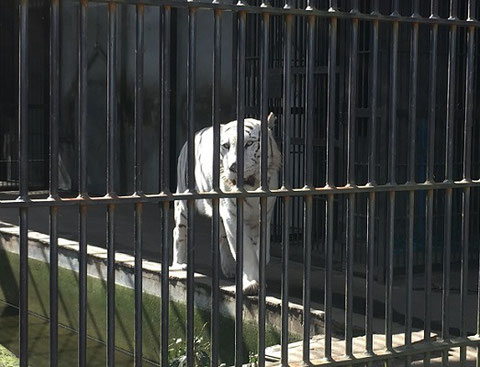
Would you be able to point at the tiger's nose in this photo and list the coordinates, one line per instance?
(233, 167)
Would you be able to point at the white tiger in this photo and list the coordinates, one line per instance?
(203, 181)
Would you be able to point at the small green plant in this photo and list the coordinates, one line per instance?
(177, 351)
(252, 359)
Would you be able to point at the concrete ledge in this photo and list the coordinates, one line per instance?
(38, 248)
(124, 275)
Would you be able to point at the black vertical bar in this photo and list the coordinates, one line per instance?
(432, 102)
(371, 198)
(307, 214)
(373, 106)
(331, 114)
(329, 209)
(416, 8)
(389, 287)
(23, 84)
(137, 181)
(330, 176)
(165, 37)
(110, 284)
(413, 102)
(191, 64)
(287, 82)
(284, 294)
(333, 6)
(449, 178)
(239, 283)
(23, 301)
(411, 178)
(164, 359)
(446, 265)
(309, 101)
(453, 9)
(434, 9)
(286, 182)
(430, 176)
(53, 286)
(264, 56)
(215, 341)
(82, 98)
(350, 233)
(111, 97)
(217, 50)
(352, 95)
(165, 55)
(111, 130)
(393, 105)
(369, 272)
(469, 102)
(139, 65)
(242, 18)
(54, 95)
(409, 269)
(138, 284)
(54, 115)
(82, 285)
(450, 98)
(262, 280)
(467, 157)
(428, 264)
(395, 8)
(191, 60)
(391, 179)
(465, 238)
(350, 241)
(82, 182)
(307, 253)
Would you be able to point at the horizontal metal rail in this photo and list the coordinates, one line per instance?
(318, 191)
(299, 12)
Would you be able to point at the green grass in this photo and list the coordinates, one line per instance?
(96, 317)
(7, 358)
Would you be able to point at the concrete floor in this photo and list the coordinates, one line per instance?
(317, 354)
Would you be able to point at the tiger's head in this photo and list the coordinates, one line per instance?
(252, 151)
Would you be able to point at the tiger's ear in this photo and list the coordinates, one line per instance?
(271, 120)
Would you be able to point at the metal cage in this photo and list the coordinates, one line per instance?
(380, 174)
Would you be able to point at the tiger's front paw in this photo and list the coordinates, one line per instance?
(178, 266)
(250, 287)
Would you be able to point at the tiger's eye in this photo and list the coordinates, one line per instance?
(226, 146)
(249, 143)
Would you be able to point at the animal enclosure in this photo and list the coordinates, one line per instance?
(378, 124)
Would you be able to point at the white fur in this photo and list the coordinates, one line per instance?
(203, 180)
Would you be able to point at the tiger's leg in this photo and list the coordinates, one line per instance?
(250, 256)
(251, 246)
(270, 207)
(227, 260)
(180, 235)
